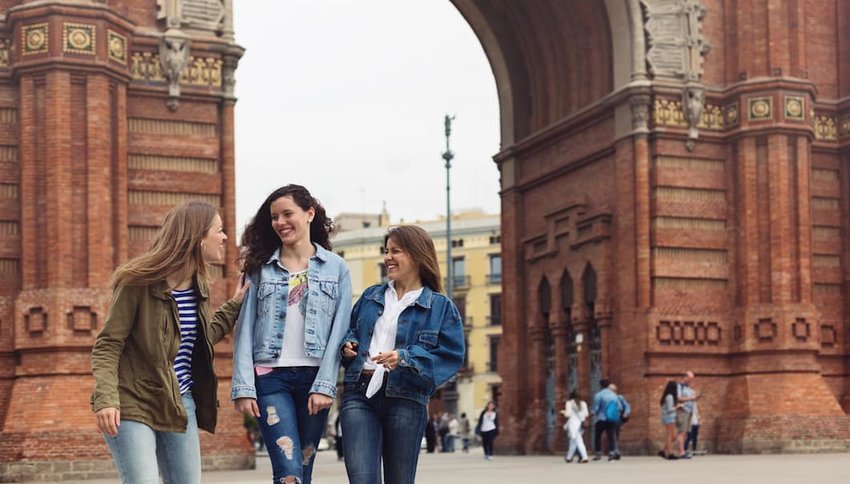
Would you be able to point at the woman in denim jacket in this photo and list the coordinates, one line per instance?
(406, 339)
(286, 351)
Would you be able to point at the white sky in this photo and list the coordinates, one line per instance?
(347, 98)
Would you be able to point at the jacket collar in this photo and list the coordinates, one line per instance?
(424, 299)
(321, 254)
(160, 289)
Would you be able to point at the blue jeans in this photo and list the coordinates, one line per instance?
(141, 453)
(291, 434)
(380, 428)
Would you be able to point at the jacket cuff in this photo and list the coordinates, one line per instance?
(243, 391)
(324, 388)
(404, 360)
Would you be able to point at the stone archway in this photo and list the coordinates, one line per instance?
(625, 143)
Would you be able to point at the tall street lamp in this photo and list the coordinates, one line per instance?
(448, 156)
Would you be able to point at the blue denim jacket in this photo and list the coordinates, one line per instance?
(429, 342)
(259, 330)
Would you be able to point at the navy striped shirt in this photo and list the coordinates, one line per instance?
(187, 308)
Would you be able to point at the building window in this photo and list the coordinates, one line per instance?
(341, 254)
(495, 393)
(457, 242)
(383, 268)
(466, 354)
(495, 275)
(459, 277)
(495, 309)
(460, 302)
(493, 364)
(495, 239)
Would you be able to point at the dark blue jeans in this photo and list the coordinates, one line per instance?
(380, 428)
(291, 434)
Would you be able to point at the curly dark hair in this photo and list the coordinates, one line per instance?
(259, 241)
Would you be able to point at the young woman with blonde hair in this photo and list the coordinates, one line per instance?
(155, 385)
(406, 339)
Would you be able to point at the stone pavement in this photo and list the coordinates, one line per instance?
(473, 469)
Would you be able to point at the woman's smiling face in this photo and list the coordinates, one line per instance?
(290, 222)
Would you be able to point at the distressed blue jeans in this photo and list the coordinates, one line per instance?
(291, 434)
(141, 453)
(380, 428)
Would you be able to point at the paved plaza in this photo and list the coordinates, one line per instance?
(473, 469)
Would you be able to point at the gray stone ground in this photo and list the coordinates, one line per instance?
(473, 469)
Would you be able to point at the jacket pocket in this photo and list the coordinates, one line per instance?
(265, 301)
(428, 339)
(328, 294)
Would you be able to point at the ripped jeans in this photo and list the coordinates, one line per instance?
(291, 434)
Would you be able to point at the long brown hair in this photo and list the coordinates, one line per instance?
(415, 241)
(176, 248)
(259, 241)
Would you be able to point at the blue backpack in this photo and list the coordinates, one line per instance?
(612, 410)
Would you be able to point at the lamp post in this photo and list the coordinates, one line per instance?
(448, 156)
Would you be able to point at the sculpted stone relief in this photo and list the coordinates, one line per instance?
(676, 48)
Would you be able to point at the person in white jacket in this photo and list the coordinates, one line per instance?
(576, 412)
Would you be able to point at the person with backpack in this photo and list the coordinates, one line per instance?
(609, 409)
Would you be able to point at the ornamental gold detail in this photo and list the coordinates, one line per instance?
(78, 38)
(826, 128)
(34, 38)
(795, 108)
(668, 112)
(116, 47)
(5, 47)
(761, 108)
(199, 71)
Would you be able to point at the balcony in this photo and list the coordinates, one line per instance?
(459, 282)
(494, 278)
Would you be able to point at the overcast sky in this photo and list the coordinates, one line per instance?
(347, 98)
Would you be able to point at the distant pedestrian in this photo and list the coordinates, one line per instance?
(465, 432)
(576, 412)
(453, 432)
(488, 428)
(338, 438)
(610, 409)
(443, 432)
(693, 435)
(431, 433)
(669, 404)
(687, 397)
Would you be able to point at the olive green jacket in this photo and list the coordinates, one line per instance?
(133, 357)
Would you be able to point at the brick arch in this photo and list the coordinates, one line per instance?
(565, 62)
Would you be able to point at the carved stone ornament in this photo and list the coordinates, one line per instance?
(196, 14)
(228, 76)
(675, 43)
(693, 101)
(174, 54)
(640, 113)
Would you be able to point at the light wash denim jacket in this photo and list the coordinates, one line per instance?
(259, 330)
(429, 342)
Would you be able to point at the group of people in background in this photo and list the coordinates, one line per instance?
(609, 410)
(680, 417)
(155, 383)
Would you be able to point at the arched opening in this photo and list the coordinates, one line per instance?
(588, 279)
(567, 299)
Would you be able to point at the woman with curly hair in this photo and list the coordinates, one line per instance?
(286, 350)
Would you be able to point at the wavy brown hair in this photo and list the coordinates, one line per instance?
(175, 249)
(259, 240)
(415, 241)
